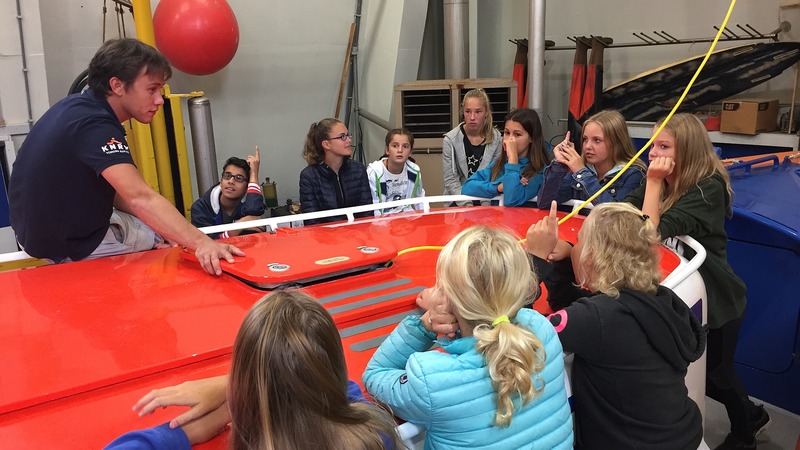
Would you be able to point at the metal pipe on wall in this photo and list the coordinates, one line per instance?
(536, 56)
(375, 119)
(203, 147)
(456, 39)
(24, 64)
(352, 91)
(158, 145)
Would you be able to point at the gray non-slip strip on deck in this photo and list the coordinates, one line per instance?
(375, 324)
(375, 342)
(369, 344)
(374, 300)
(364, 290)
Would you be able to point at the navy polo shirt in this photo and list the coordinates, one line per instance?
(60, 204)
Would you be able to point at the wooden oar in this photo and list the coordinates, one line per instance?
(345, 68)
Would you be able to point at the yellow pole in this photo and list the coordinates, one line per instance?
(145, 163)
(143, 19)
(156, 146)
(180, 147)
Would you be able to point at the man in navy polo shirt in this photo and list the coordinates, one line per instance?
(74, 190)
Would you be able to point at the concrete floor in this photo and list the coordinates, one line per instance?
(783, 432)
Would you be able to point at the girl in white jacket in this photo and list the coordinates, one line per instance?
(395, 176)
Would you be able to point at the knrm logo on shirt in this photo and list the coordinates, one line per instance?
(114, 146)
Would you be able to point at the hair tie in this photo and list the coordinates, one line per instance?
(645, 217)
(500, 320)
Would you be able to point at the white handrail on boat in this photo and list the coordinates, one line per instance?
(683, 271)
(575, 204)
(276, 222)
(408, 432)
(673, 279)
(282, 221)
(14, 256)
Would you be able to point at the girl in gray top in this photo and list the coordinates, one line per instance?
(472, 145)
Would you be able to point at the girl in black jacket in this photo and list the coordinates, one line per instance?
(632, 339)
(332, 180)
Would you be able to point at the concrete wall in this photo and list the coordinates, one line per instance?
(13, 97)
(392, 39)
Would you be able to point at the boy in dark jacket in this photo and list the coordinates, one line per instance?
(236, 198)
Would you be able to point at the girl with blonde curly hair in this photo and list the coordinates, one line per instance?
(499, 383)
(632, 340)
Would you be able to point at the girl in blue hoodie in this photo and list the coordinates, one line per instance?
(517, 174)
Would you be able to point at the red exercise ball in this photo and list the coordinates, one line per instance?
(199, 37)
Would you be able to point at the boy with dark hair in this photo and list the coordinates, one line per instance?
(237, 197)
(75, 192)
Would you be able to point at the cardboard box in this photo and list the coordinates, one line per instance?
(749, 116)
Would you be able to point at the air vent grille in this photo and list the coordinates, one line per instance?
(431, 108)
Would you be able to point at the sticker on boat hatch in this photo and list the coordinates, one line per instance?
(368, 250)
(334, 260)
(278, 267)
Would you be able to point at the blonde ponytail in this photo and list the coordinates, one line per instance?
(512, 354)
(486, 275)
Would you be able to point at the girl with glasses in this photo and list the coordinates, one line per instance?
(332, 179)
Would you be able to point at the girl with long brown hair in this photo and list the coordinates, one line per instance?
(606, 148)
(332, 179)
(287, 389)
(517, 173)
(688, 192)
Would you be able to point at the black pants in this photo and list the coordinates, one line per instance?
(722, 383)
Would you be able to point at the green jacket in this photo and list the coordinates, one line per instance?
(700, 213)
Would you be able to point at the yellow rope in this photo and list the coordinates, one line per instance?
(421, 247)
(669, 116)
